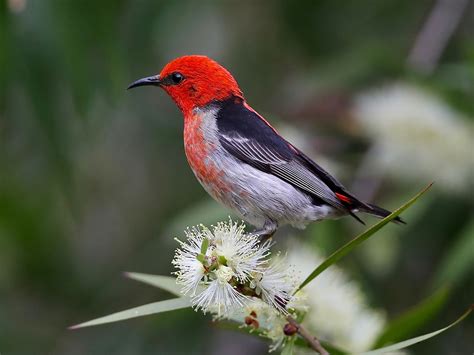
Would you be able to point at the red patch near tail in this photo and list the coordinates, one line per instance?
(343, 198)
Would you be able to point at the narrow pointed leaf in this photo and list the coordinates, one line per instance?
(166, 283)
(406, 343)
(348, 247)
(413, 319)
(204, 246)
(151, 308)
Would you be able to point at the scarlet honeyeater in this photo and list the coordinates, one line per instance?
(241, 160)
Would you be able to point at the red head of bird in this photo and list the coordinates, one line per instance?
(194, 81)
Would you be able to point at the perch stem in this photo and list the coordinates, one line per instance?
(312, 340)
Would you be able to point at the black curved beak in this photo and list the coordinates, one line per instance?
(149, 81)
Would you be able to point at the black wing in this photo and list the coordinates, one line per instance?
(247, 136)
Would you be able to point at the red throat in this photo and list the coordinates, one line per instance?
(204, 81)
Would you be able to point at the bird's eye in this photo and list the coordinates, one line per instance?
(176, 78)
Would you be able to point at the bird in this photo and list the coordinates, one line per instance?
(241, 160)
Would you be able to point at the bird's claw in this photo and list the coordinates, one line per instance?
(264, 234)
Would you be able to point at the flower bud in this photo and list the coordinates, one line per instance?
(251, 322)
(290, 329)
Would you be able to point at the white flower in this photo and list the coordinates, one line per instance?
(224, 274)
(417, 136)
(190, 269)
(269, 321)
(274, 331)
(229, 274)
(215, 265)
(220, 298)
(275, 284)
(337, 308)
(242, 251)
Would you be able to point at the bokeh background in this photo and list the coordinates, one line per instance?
(94, 182)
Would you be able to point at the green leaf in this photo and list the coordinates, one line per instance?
(166, 283)
(200, 257)
(151, 308)
(222, 260)
(406, 343)
(204, 246)
(338, 254)
(413, 319)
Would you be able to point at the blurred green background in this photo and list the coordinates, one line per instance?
(94, 181)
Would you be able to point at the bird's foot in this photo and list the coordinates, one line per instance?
(266, 233)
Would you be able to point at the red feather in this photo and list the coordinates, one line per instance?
(343, 198)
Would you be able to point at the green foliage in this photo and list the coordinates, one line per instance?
(145, 310)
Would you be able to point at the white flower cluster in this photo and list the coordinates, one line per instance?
(417, 136)
(230, 274)
(224, 269)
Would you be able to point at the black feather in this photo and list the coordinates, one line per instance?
(382, 213)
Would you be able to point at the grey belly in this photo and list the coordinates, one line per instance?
(259, 197)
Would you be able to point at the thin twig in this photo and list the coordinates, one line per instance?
(312, 340)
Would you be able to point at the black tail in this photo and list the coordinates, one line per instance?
(380, 212)
(353, 204)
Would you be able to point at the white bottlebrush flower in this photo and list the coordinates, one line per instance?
(219, 297)
(191, 270)
(417, 136)
(275, 329)
(258, 314)
(337, 308)
(229, 274)
(215, 265)
(243, 252)
(224, 274)
(275, 285)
